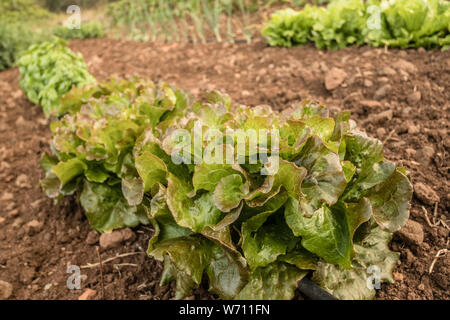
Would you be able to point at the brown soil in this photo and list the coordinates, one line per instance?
(34, 260)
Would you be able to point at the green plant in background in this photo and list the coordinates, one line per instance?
(21, 11)
(329, 207)
(48, 71)
(88, 30)
(14, 39)
(192, 20)
(397, 23)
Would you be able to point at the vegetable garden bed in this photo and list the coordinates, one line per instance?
(252, 74)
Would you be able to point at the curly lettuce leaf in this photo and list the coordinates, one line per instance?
(372, 255)
(277, 281)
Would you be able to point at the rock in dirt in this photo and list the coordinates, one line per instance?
(22, 181)
(412, 232)
(381, 93)
(370, 104)
(13, 213)
(114, 239)
(33, 227)
(381, 132)
(2, 220)
(414, 97)
(387, 71)
(410, 152)
(88, 294)
(17, 223)
(6, 290)
(406, 66)
(413, 129)
(92, 238)
(425, 155)
(425, 193)
(334, 78)
(381, 117)
(7, 196)
(307, 76)
(397, 276)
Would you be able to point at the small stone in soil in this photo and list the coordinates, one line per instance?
(412, 232)
(334, 78)
(414, 97)
(368, 83)
(370, 104)
(33, 227)
(6, 290)
(410, 152)
(17, 223)
(381, 132)
(22, 181)
(381, 93)
(425, 155)
(88, 294)
(405, 66)
(397, 276)
(381, 117)
(425, 193)
(113, 239)
(413, 129)
(13, 213)
(6, 196)
(92, 238)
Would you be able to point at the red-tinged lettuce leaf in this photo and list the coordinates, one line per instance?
(301, 258)
(362, 150)
(133, 190)
(265, 237)
(149, 143)
(227, 273)
(66, 171)
(229, 192)
(207, 176)
(288, 176)
(151, 169)
(325, 180)
(372, 254)
(227, 276)
(162, 220)
(328, 233)
(391, 201)
(193, 213)
(325, 233)
(277, 281)
(367, 179)
(107, 209)
(186, 269)
(61, 178)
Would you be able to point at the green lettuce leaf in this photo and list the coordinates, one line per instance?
(107, 209)
(372, 255)
(277, 281)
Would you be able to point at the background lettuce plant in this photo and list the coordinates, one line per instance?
(14, 40)
(395, 23)
(88, 30)
(48, 71)
(330, 208)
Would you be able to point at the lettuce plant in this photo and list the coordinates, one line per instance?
(395, 23)
(307, 192)
(88, 30)
(48, 71)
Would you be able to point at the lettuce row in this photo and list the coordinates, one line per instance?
(330, 206)
(394, 23)
(48, 71)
